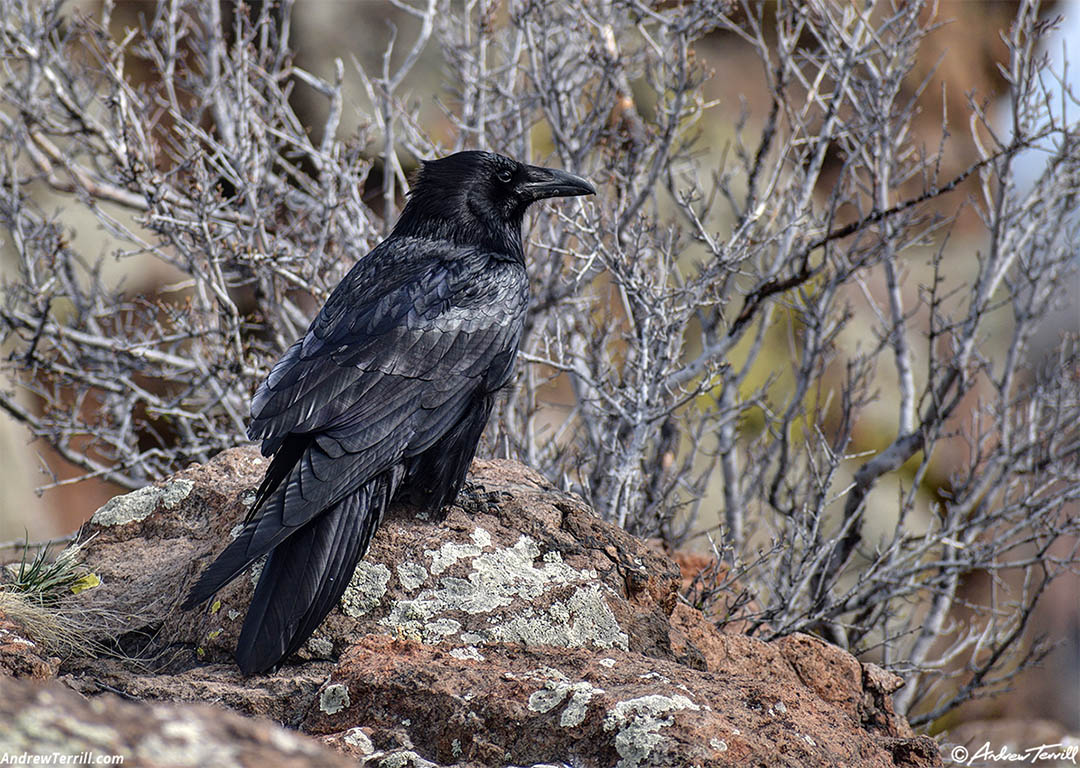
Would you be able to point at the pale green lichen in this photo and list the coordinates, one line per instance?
(576, 709)
(138, 505)
(440, 629)
(175, 491)
(355, 737)
(468, 653)
(448, 554)
(546, 699)
(556, 689)
(405, 759)
(656, 677)
(638, 723)
(334, 698)
(256, 570)
(366, 589)
(506, 577)
(584, 619)
(320, 647)
(411, 575)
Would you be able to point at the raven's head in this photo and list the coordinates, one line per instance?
(481, 197)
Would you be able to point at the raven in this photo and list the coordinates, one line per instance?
(386, 395)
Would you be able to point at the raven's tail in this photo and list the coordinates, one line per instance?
(307, 571)
(307, 574)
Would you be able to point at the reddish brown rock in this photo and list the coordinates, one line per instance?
(284, 696)
(836, 676)
(523, 706)
(521, 630)
(876, 708)
(516, 562)
(20, 656)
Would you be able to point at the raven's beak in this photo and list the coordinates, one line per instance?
(541, 183)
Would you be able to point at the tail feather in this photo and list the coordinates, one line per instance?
(306, 575)
(258, 536)
(229, 564)
(280, 511)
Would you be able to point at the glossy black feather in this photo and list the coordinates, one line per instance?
(307, 574)
(387, 394)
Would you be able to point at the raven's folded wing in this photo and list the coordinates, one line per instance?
(388, 366)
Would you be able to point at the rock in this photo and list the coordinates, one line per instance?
(285, 696)
(44, 720)
(517, 562)
(20, 656)
(525, 705)
(521, 630)
(836, 676)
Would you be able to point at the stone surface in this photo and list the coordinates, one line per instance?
(522, 705)
(46, 720)
(516, 562)
(21, 656)
(521, 630)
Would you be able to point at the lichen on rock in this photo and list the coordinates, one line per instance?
(366, 588)
(138, 505)
(637, 723)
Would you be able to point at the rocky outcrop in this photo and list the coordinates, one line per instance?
(521, 630)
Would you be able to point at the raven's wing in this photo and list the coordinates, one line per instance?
(408, 328)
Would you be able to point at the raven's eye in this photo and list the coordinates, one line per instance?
(505, 176)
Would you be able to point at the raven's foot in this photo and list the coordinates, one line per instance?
(472, 497)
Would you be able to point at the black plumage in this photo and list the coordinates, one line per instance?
(387, 393)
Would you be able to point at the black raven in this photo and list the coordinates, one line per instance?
(386, 395)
